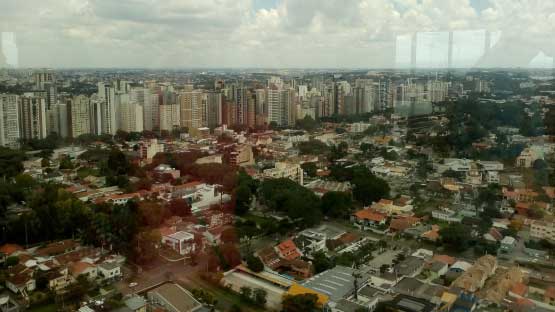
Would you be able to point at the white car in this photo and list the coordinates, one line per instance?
(131, 285)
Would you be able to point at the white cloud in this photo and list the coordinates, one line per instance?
(231, 33)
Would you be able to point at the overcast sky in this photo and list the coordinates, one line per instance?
(276, 33)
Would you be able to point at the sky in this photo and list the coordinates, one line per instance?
(276, 33)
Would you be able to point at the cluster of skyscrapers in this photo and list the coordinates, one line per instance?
(160, 106)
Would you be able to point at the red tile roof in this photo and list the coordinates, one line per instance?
(368, 214)
(188, 185)
(550, 292)
(519, 289)
(401, 224)
(288, 250)
(79, 267)
(445, 259)
(9, 249)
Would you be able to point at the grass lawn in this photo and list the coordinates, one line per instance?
(225, 297)
(51, 307)
(258, 219)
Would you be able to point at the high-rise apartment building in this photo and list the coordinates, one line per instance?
(95, 114)
(108, 116)
(79, 116)
(57, 118)
(143, 98)
(9, 120)
(130, 113)
(32, 117)
(45, 81)
(213, 109)
(261, 107)
(281, 106)
(169, 117)
(41, 78)
(239, 106)
(191, 106)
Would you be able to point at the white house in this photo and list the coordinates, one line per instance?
(109, 270)
(182, 242)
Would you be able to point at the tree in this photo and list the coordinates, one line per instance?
(65, 163)
(245, 293)
(321, 262)
(338, 151)
(310, 168)
(11, 162)
(298, 202)
(12, 260)
(307, 123)
(456, 236)
(259, 297)
(235, 308)
(117, 163)
(254, 263)
(337, 204)
(179, 207)
(299, 303)
(313, 147)
(243, 196)
(146, 244)
(367, 187)
(535, 212)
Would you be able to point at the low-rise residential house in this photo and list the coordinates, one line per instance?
(493, 235)
(164, 170)
(447, 215)
(59, 279)
(310, 242)
(109, 271)
(399, 206)
(540, 229)
(400, 224)
(20, 280)
(182, 242)
(431, 235)
(438, 268)
(285, 170)
(200, 196)
(57, 248)
(288, 250)
(9, 250)
(368, 218)
(81, 268)
(411, 266)
(519, 194)
(475, 277)
(528, 156)
(445, 259)
(508, 243)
